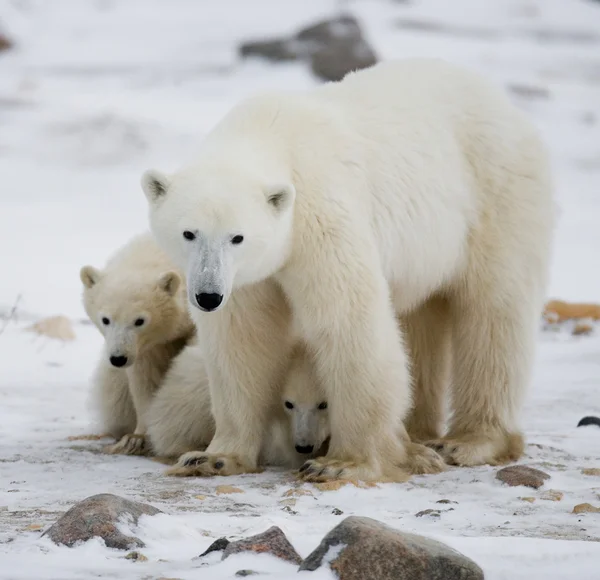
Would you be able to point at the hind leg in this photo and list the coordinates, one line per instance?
(428, 338)
(494, 343)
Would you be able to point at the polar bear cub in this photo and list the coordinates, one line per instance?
(138, 304)
(180, 419)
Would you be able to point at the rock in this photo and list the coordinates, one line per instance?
(337, 512)
(98, 516)
(589, 420)
(226, 489)
(136, 557)
(445, 501)
(5, 44)
(273, 541)
(522, 475)
(552, 495)
(364, 549)
(591, 471)
(582, 328)
(333, 47)
(58, 327)
(572, 311)
(217, 546)
(246, 573)
(429, 512)
(528, 499)
(335, 61)
(583, 508)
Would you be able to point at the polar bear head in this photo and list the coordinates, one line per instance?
(305, 404)
(133, 312)
(224, 224)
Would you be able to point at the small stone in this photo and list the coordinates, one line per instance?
(33, 527)
(429, 512)
(335, 61)
(445, 501)
(136, 556)
(5, 44)
(529, 499)
(289, 510)
(217, 546)
(200, 497)
(98, 516)
(589, 420)
(591, 471)
(58, 327)
(273, 541)
(583, 508)
(290, 501)
(522, 475)
(337, 512)
(552, 495)
(582, 329)
(361, 548)
(298, 491)
(246, 573)
(92, 437)
(227, 489)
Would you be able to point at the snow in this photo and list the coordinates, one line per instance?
(98, 90)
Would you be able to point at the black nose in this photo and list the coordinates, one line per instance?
(118, 361)
(209, 302)
(304, 448)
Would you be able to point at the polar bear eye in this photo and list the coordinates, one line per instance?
(322, 406)
(237, 240)
(105, 321)
(289, 405)
(189, 235)
(139, 322)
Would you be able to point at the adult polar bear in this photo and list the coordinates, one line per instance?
(333, 210)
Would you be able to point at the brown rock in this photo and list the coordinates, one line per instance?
(582, 508)
(552, 495)
(370, 550)
(5, 44)
(58, 327)
(582, 328)
(227, 489)
(273, 541)
(591, 471)
(98, 516)
(522, 475)
(528, 499)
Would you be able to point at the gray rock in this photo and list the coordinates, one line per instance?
(522, 475)
(5, 43)
(273, 541)
(98, 516)
(217, 546)
(332, 47)
(368, 550)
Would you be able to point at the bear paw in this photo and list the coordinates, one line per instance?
(471, 450)
(424, 460)
(323, 470)
(202, 464)
(130, 444)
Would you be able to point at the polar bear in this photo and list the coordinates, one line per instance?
(138, 303)
(321, 215)
(180, 420)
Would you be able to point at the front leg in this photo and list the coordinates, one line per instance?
(247, 346)
(144, 377)
(344, 311)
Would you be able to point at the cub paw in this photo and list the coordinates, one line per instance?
(202, 464)
(130, 444)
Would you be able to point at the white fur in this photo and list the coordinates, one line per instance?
(180, 419)
(407, 182)
(139, 283)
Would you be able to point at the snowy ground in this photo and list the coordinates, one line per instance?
(99, 90)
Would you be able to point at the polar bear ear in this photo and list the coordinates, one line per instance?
(169, 282)
(154, 184)
(89, 276)
(281, 196)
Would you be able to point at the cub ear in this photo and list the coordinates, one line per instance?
(281, 196)
(169, 282)
(89, 276)
(155, 185)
